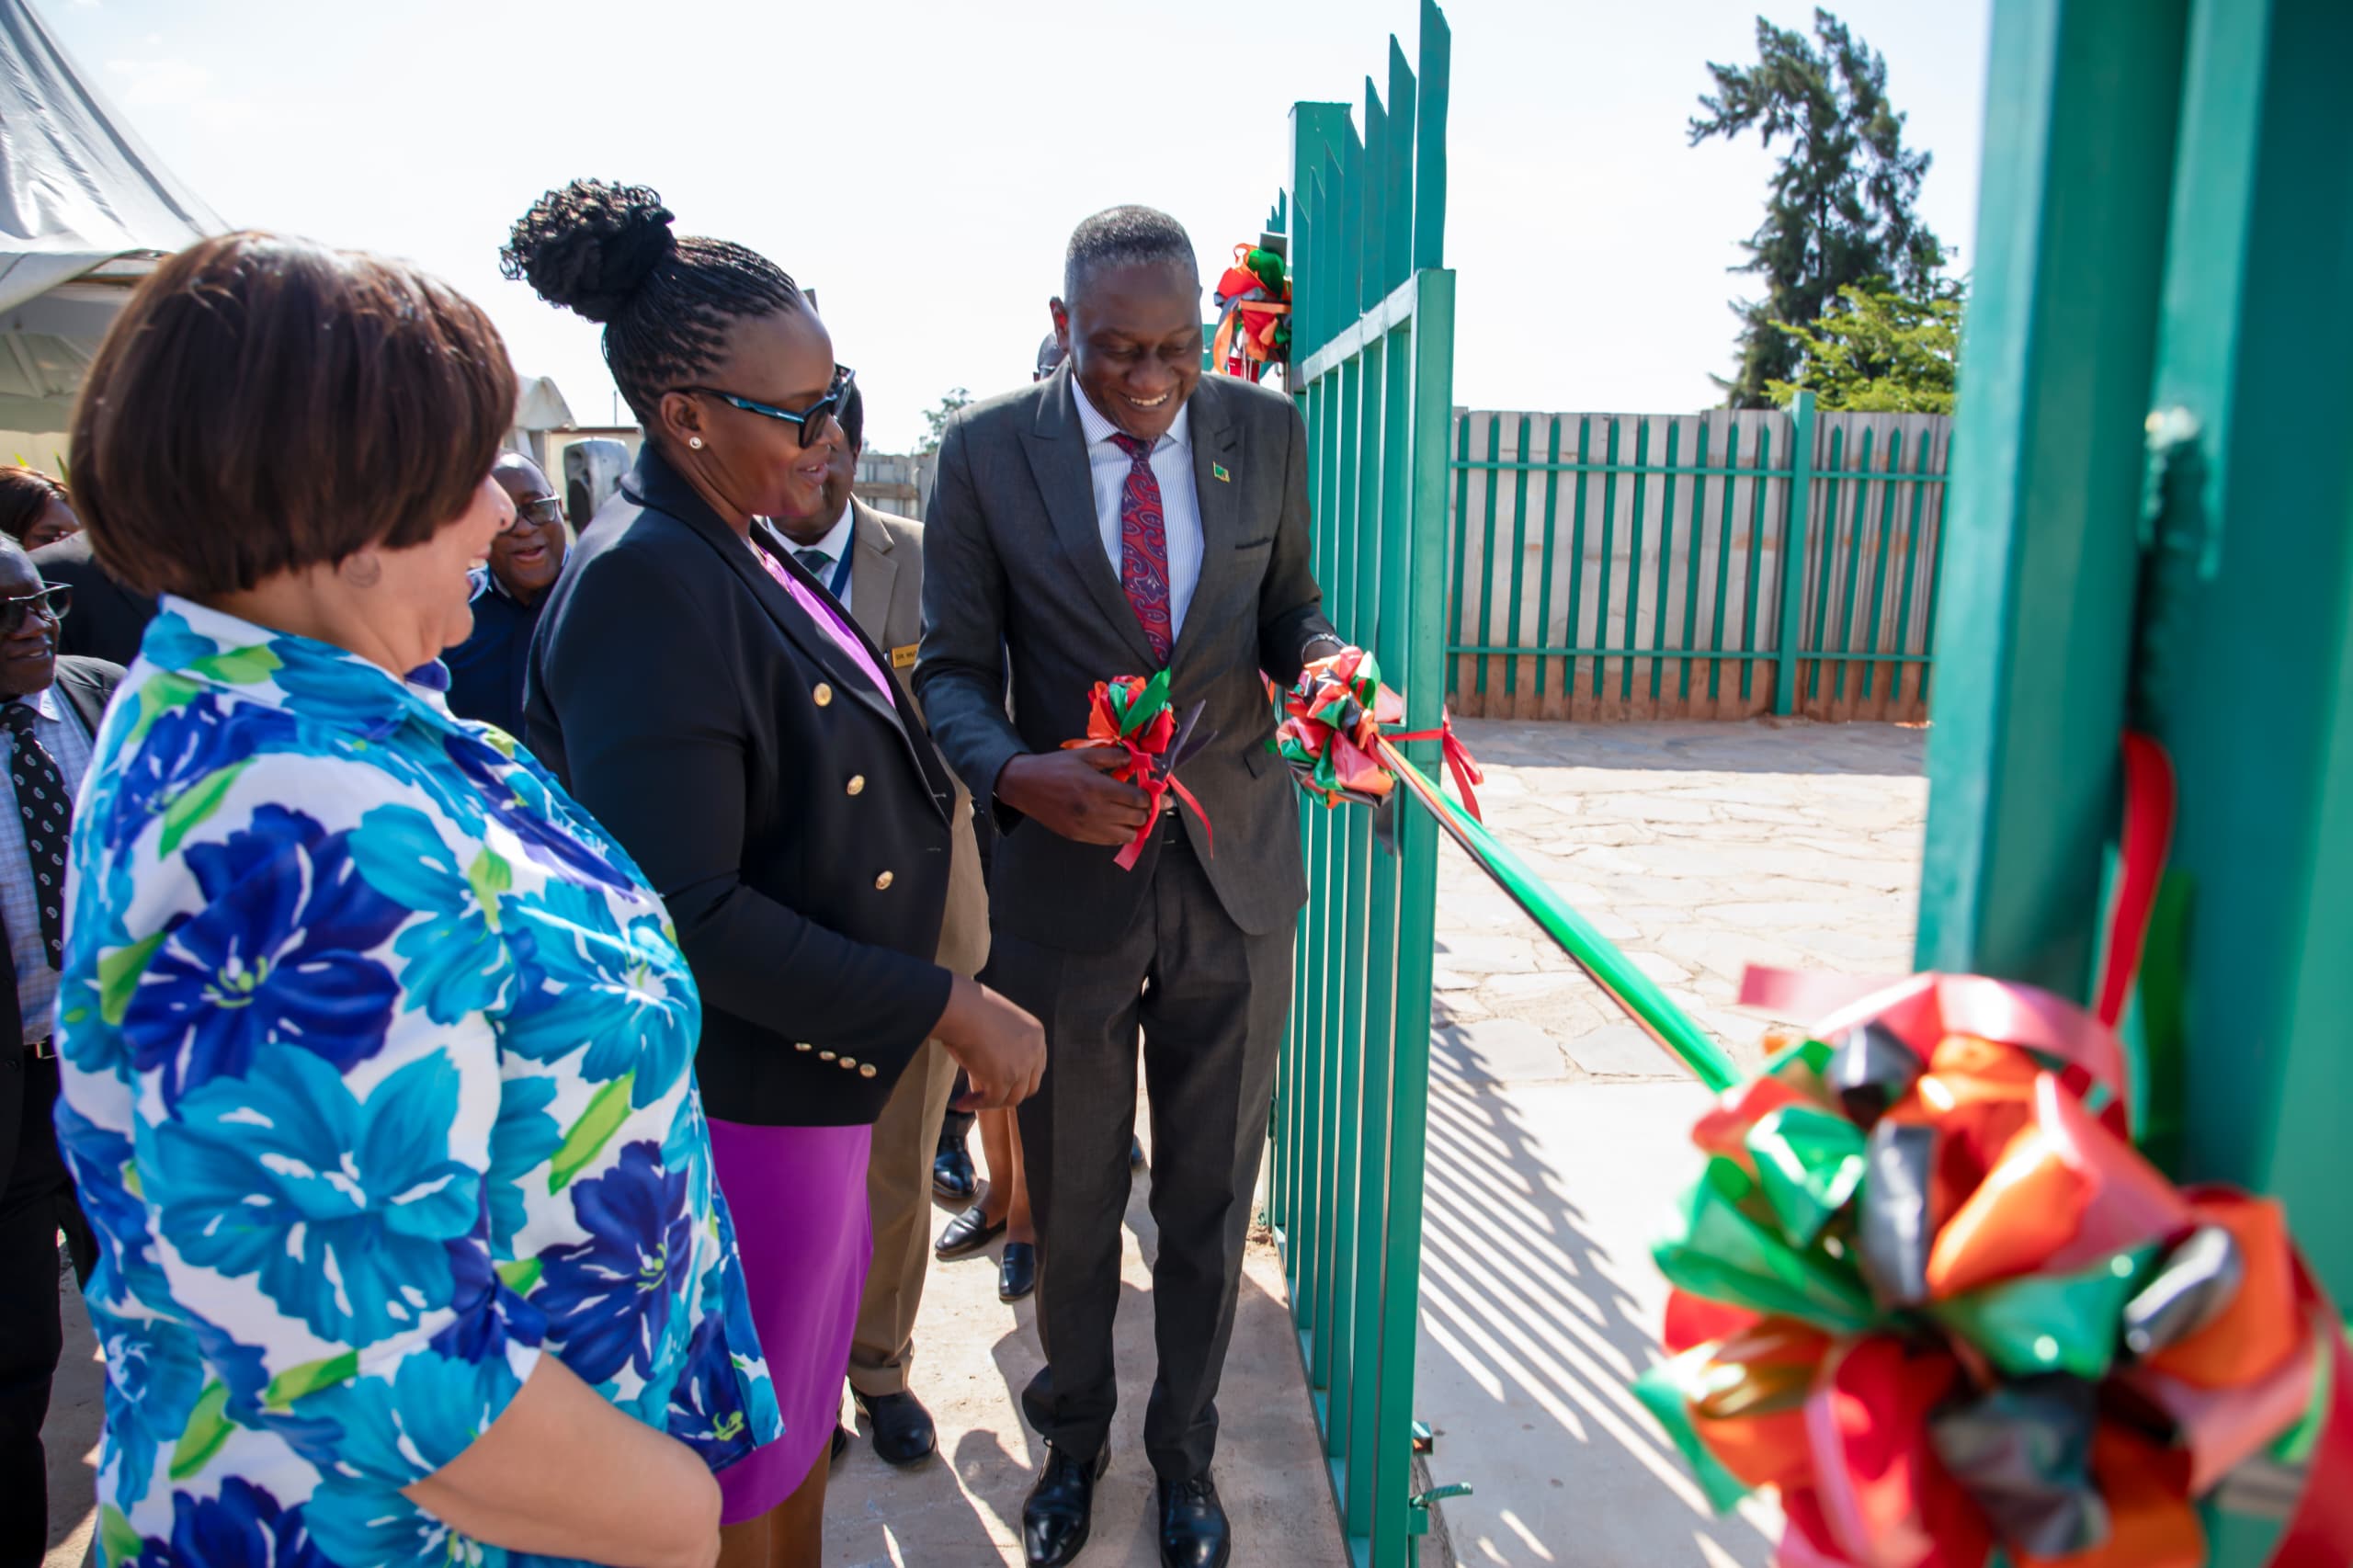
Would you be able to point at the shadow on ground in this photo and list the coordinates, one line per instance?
(1539, 1309)
(976, 1355)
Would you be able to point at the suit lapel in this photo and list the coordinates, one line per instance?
(1216, 444)
(659, 488)
(873, 573)
(1058, 458)
(87, 695)
(806, 635)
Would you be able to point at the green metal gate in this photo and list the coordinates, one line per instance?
(2155, 501)
(1372, 357)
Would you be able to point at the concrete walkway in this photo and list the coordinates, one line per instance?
(975, 1354)
(1559, 1132)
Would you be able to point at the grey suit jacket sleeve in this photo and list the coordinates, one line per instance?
(1290, 605)
(961, 676)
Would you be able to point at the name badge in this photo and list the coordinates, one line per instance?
(903, 658)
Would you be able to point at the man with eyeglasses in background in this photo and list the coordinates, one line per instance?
(50, 708)
(486, 669)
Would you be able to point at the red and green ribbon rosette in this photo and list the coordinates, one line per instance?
(1133, 714)
(1335, 727)
(1927, 1289)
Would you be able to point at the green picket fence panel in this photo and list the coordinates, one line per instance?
(1372, 366)
(1634, 566)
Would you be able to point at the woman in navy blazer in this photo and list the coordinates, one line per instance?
(695, 689)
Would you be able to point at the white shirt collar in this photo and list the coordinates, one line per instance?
(1099, 429)
(43, 703)
(839, 539)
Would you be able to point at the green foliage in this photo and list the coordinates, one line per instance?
(938, 418)
(1841, 209)
(1876, 351)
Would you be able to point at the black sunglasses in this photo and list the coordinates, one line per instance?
(52, 602)
(810, 422)
(537, 513)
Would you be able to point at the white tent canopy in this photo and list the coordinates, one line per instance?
(86, 211)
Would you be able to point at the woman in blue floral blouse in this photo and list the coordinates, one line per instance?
(376, 1048)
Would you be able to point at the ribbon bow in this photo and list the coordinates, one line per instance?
(1133, 715)
(1333, 730)
(1927, 1289)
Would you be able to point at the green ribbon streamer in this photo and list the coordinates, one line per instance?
(1628, 986)
(1724, 1253)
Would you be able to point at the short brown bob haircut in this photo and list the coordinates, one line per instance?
(265, 403)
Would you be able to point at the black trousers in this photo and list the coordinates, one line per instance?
(1209, 1002)
(36, 1202)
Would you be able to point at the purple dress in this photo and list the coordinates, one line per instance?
(799, 1198)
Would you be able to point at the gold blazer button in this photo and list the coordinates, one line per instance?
(883, 881)
(865, 1069)
(856, 785)
(823, 695)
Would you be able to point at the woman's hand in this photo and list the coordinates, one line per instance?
(1001, 1048)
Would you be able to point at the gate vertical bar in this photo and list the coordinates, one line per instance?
(2082, 102)
(1372, 366)
(1791, 557)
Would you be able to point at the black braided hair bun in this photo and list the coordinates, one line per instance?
(590, 245)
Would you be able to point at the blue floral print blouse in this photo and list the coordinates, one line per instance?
(378, 1087)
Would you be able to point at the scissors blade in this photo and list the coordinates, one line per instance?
(1176, 752)
(1192, 749)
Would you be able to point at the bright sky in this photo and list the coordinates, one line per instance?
(920, 163)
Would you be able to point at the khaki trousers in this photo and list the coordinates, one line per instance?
(898, 1191)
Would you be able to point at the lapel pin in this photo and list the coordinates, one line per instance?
(1217, 471)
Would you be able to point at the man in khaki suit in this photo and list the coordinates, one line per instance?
(873, 562)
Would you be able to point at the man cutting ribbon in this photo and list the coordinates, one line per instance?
(1128, 517)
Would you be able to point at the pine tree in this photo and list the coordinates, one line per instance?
(1841, 208)
(1875, 351)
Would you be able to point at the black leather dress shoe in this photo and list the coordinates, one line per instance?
(841, 1443)
(1193, 1531)
(952, 1181)
(1059, 1509)
(1017, 1272)
(903, 1433)
(969, 1233)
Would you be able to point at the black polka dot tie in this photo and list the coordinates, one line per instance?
(47, 807)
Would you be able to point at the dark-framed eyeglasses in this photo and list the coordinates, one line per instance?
(810, 422)
(51, 602)
(537, 513)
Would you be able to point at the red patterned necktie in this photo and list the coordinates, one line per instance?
(1144, 546)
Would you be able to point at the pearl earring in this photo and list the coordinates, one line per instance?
(695, 441)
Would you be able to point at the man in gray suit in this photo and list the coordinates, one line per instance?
(1122, 517)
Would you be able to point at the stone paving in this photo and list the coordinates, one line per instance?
(1557, 1129)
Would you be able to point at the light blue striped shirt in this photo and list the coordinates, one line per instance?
(59, 730)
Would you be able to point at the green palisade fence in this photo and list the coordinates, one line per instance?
(1373, 350)
(1630, 566)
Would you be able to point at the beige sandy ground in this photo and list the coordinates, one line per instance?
(1556, 1145)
